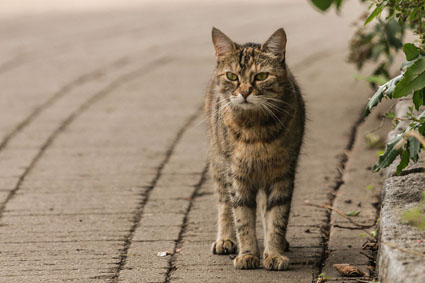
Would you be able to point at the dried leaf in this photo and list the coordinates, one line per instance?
(348, 270)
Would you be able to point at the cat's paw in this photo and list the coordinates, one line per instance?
(246, 262)
(276, 262)
(224, 247)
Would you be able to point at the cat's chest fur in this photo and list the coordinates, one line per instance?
(256, 147)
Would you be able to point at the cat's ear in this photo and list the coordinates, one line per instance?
(276, 44)
(222, 43)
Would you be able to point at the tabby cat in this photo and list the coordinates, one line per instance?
(256, 119)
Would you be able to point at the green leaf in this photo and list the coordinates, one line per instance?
(323, 276)
(403, 162)
(338, 3)
(374, 100)
(411, 51)
(322, 4)
(389, 155)
(421, 116)
(391, 85)
(376, 79)
(414, 79)
(353, 213)
(418, 98)
(390, 115)
(407, 64)
(421, 129)
(413, 14)
(369, 188)
(392, 29)
(414, 147)
(386, 89)
(374, 13)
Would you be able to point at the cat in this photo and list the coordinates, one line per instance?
(256, 117)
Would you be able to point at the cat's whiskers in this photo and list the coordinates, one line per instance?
(215, 112)
(227, 107)
(278, 100)
(276, 108)
(274, 116)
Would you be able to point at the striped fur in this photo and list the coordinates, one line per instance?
(254, 146)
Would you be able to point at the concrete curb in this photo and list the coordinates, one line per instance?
(402, 249)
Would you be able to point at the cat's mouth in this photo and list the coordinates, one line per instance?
(245, 105)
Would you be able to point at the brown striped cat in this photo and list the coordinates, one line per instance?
(256, 122)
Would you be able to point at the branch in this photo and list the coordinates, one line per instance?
(382, 120)
(326, 206)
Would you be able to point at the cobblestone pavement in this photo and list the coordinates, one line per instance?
(103, 141)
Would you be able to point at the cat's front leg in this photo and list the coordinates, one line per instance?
(244, 213)
(226, 238)
(276, 221)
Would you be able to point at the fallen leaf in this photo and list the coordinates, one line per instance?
(353, 213)
(348, 270)
(178, 250)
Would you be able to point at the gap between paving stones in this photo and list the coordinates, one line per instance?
(179, 244)
(57, 95)
(121, 80)
(145, 197)
(60, 93)
(338, 182)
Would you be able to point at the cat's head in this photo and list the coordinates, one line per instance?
(250, 76)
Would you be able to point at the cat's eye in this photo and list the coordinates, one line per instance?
(232, 76)
(261, 76)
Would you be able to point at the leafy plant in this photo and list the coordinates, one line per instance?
(325, 4)
(380, 44)
(321, 278)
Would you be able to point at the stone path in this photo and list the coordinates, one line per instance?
(103, 144)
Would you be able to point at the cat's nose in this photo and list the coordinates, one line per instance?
(245, 90)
